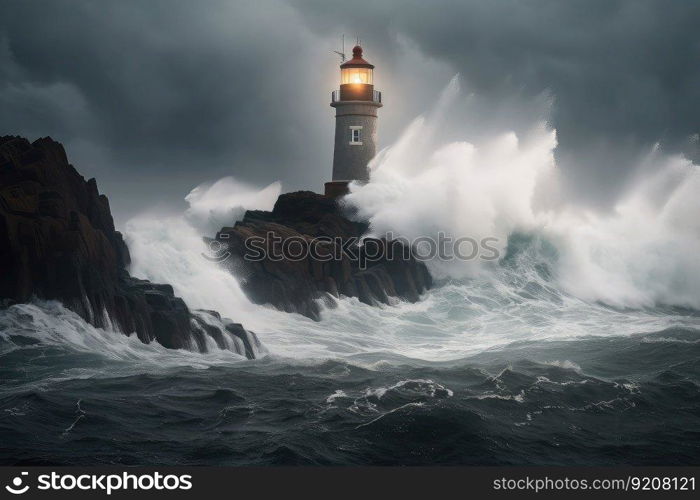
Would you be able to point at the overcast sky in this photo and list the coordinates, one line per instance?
(153, 97)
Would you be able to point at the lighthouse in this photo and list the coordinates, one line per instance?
(356, 105)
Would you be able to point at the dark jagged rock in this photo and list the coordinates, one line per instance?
(58, 242)
(296, 285)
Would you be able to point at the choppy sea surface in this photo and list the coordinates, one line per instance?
(503, 369)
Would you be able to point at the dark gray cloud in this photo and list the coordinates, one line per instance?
(623, 74)
(155, 97)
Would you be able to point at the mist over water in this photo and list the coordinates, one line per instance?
(215, 205)
(579, 346)
(642, 254)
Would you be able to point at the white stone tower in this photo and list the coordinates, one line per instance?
(356, 105)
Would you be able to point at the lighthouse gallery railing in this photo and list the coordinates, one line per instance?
(376, 96)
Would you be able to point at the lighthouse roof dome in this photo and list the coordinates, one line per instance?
(357, 61)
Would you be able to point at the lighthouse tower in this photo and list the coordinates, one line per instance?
(356, 105)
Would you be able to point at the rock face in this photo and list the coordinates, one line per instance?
(295, 284)
(58, 242)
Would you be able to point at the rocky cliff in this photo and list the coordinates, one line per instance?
(300, 282)
(58, 242)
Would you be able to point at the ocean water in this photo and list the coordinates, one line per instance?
(498, 370)
(580, 346)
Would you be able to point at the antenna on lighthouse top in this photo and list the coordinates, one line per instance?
(341, 54)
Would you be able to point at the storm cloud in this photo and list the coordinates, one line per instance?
(155, 97)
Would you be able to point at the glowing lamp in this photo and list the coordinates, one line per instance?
(356, 75)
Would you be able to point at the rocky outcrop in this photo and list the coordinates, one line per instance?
(295, 284)
(58, 242)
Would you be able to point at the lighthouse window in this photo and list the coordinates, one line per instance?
(356, 135)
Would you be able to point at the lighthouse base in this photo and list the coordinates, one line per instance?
(336, 189)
